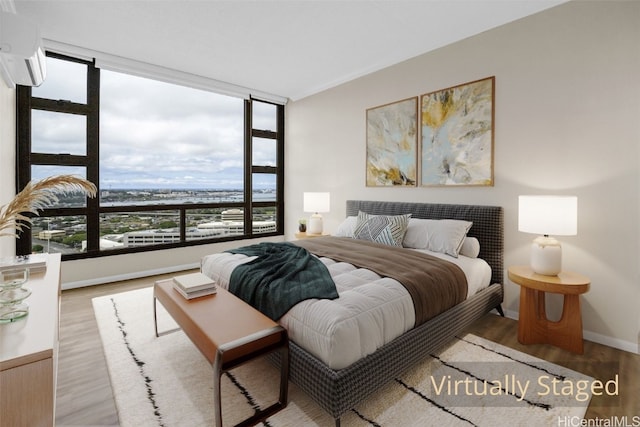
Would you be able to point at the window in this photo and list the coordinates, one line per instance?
(174, 166)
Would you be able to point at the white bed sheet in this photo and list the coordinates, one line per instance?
(370, 312)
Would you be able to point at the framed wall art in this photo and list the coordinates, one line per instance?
(457, 128)
(392, 144)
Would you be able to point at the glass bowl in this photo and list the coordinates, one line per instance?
(11, 313)
(14, 296)
(13, 278)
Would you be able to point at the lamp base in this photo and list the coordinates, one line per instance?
(546, 256)
(314, 225)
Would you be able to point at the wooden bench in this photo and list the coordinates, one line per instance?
(228, 332)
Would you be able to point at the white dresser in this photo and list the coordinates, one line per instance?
(29, 352)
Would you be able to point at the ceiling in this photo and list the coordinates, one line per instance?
(291, 49)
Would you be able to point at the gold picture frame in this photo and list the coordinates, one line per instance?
(457, 135)
(392, 144)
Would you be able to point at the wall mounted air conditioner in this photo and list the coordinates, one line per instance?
(22, 59)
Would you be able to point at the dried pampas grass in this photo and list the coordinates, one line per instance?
(37, 196)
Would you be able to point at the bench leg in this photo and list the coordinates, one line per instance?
(217, 393)
(155, 316)
(284, 374)
(155, 320)
(259, 416)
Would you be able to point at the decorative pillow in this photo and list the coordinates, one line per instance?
(446, 235)
(385, 229)
(346, 227)
(416, 235)
(470, 247)
(438, 235)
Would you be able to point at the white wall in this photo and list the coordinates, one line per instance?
(7, 157)
(566, 122)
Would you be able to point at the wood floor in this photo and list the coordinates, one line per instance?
(84, 396)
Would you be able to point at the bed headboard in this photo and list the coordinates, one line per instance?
(488, 224)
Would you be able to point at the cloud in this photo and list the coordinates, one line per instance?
(155, 134)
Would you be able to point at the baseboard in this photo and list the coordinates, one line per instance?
(611, 342)
(128, 276)
(629, 346)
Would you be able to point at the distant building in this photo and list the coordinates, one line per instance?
(108, 241)
(233, 215)
(51, 234)
(163, 236)
(231, 223)
(237, 227)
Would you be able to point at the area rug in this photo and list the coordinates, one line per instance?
(165, 381)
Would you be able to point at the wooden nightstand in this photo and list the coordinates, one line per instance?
(300, 235)
(533, 325)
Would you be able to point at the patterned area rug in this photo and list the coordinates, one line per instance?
(167, 382)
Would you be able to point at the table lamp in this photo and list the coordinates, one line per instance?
(547, 215)
(316, 203)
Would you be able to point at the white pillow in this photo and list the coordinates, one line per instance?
(446, 236)
(416, 235)
(346, 227)
(438, 235)
(470, 247)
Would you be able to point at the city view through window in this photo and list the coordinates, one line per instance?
(171, 163)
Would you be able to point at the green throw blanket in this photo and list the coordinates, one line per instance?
(281, 276)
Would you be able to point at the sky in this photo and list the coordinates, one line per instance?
(153, 135)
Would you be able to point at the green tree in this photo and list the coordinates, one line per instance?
(75, 239)
(167, 224)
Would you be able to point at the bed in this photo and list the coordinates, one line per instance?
(338, 381)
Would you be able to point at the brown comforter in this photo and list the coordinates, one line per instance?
(435, 285)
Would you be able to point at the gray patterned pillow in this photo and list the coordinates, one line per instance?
(385, 229)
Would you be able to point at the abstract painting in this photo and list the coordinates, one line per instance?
(457, 135)
(392, 144)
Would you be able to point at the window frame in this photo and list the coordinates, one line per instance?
(25, 158)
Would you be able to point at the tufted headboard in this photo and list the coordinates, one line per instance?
(488, 224)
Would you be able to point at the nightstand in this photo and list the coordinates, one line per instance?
(300, 235)
(533, 325)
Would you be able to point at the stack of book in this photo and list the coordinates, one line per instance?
(36, 263)
(194, 285)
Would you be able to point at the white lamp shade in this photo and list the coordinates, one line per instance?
(548, 215)
(316, 202)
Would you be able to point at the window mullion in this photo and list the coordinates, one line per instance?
(59, 106)
(183, 224)
(264, 169)
(93, 156)
(23, 157)
(58, 159)
(280, 169)
(268, 134)
(248, 178)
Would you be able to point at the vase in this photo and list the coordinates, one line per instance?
(302, 228)
(13, 294)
